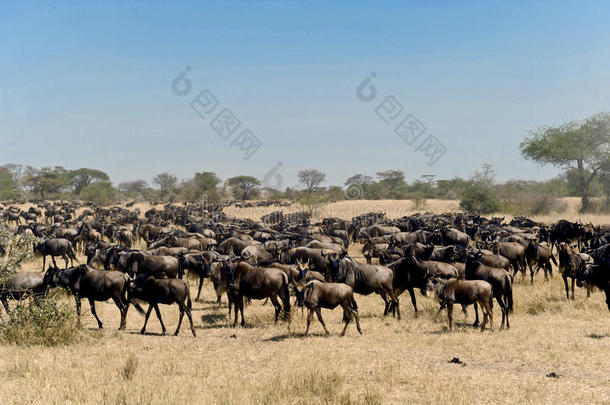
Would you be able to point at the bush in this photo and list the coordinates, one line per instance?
(41, 322)
(480, 200)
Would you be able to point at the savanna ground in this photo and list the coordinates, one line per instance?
(405, 361)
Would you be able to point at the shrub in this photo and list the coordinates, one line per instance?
(479, 199)
(43, 321)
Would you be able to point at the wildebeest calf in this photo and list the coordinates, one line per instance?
(316, 295)
(465, 292)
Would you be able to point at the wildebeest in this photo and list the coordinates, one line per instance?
(411, 273)
(157, 266)
(539, 255)
(499, 279)
(364, 278)
(19, 286)
(55, 247)
(245, 280)
(465, 292)
(96, 285)
(570, 265)
(162, 291)
(316, 295)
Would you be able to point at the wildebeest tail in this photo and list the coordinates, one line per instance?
(508, 290)
(71, 254)
(180, 269)
(354, 306)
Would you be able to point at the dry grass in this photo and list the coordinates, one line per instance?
(393, 362)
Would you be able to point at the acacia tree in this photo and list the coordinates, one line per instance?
(583, 146)
(83, 177)
(166, 182)
(311, 179)
(243, 187)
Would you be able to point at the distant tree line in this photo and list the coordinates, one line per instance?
(581, 149)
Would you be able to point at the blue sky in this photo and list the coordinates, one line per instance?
(89, 83)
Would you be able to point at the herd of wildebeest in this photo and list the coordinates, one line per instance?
(454, 258)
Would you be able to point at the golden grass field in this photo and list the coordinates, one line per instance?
(405, 361)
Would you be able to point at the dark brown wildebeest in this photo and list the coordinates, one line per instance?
(370, 250)
(162, 291)
(199, 264)
(157, 266)
(570, 264)
(499, 279)
(514, 252)
(410, 273)
(464, 292)
(598, 274)
(364, 278)
(316, 295)
(539, 255)
(451, 236)
(96, 285)
(245, 280)
(21, 285)
(55, 247)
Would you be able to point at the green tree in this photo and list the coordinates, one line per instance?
(166, 182)
(8, 186)
(311, 179)
(243, 187)
(81, 178)
(394, 182)
(46, 180)
(582, 146)
(478, 195)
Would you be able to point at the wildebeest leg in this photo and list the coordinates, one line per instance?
(92, 305)
(309, 319)
(150, 307)
(319, 314)
(44, 259)
(573, 281)
(476, 315)
(77, 299)
(450, 314)
(200, 285)
(5, 305)
(485, 309)
(394, 299)
(413, 300)
(66, 260)
(181, 308)
(188, 313)
(160, 319)
(386, 301)
(355, 313)
(565, 281)
(504, 309)
(276, 305)
(123, 308)
(53, 259)
(347, 315)
(240, 302)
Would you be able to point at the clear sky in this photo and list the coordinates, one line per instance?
(88, 84)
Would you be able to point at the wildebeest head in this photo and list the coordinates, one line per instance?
(431, 287)
(302, 268)
(299, 292)
(50, 280)
(228, 269)
(334, 259)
